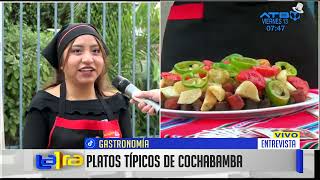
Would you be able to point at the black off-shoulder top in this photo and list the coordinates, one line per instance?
(44, 108)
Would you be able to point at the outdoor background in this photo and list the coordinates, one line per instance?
(11, 49)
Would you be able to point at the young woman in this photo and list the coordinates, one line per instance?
(81, 102)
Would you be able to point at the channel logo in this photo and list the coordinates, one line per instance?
(58, 160)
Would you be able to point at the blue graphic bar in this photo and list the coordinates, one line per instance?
(299, 161)
(171, 143)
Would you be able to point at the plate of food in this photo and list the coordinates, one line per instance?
(236, 87)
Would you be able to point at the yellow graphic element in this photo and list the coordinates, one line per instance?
(67, 160)
(284, 134)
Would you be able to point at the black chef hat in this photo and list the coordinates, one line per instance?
(54, 50)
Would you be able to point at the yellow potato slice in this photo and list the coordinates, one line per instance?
(189, 96)
(162, 83)
(218, 76)
(209, 101)
(169, 92)
(217, 91)
(282, 76)
(248, 90)
(290, 87)
(179, 87)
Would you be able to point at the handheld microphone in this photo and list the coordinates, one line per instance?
(127, 88)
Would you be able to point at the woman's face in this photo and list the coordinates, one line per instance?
(85, 62)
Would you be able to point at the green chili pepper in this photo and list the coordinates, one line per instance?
(195, 79)
(291, 70)
(187, 66)
(243, 63)
(227, 58)
(277, 92)
(233, 71)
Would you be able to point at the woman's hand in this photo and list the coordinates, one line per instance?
(151, 94)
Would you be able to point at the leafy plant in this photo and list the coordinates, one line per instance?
(12, 75)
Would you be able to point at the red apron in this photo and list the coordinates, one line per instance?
(69, 132)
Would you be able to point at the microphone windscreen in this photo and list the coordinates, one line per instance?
(120, 83)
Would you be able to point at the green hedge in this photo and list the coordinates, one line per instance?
(11, 53)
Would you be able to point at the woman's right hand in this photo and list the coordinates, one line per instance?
(151, 94)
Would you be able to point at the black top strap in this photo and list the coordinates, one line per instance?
(106, 107)
(62, 102)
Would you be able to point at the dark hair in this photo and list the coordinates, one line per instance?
(101, 84)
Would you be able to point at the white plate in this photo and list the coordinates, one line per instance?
(312, 101)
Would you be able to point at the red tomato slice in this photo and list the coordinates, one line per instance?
(251, 75)
(170, 76)
(278, 69)
(266, 71)
(202, 75)
(207, 63)
(299, 83)
(226, 62)
(207, 68)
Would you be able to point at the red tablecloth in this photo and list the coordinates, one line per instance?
(303, 122)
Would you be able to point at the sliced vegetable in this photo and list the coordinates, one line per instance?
(228, 94)
(170, 76)
(233, 71)
(179, 87)
(207, 64)
(190, 96)
(162, 83)
(169, 92)
(291, 70)
(218, 76)
(168, 79)
(171, 103)
(248, 90)
(253, 76)
(227, 58)
(235, 83)
(282, 76)
(267, 79)
(290, 87)
(195, 79)
(217, 91)
(214, 84)
(277, 92)
(228, 87)
(299, 83)
(209, 101)
(266, 71)
(243, 63)
(207, 68)
(187, 66)
(298, 95)
(235, 102)
(264, 62)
